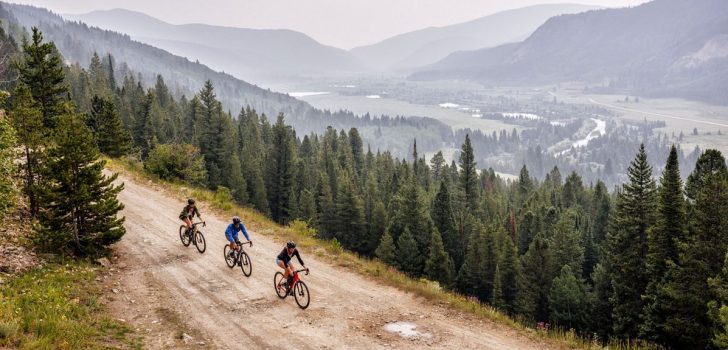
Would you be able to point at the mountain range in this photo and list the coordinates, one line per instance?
(250, 54)
(665, 48)
(429, 45)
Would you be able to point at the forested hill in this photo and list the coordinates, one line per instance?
(78, 42)
(669, 48)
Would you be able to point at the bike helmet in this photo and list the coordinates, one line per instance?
(291, 245)
(236, 219)
(190, 201)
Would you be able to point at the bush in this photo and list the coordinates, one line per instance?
(301, 227)
(177, 162)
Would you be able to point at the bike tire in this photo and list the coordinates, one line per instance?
(200, 242)
(184, 237)
(230, 261)
(277, 279)
(245, 264)
(300, 293)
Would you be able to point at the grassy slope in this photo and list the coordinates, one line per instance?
(58, 307)
(332, 252)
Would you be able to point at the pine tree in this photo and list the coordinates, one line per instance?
(525, 185)
(566, 245)
(718, 308)
(357, 150)
(496, 299)
(439, 266)
(377, 225)
(468, 175)
(79, 212)
(573, 191)
(510, 274)
(280, 171)
(31, 135)
(527, 230)
(350, 226)
(327, 220)
(627, 248)
(386, 250)
(601, 310)
(143, 133)
(471, 279)
(410, 212)
(535, 282)
(307, 206)
(110, 72)
(236, 180)
(444, 221)
(701, 256)
(710, 162)
(568, 305)
(662, 241)
(41, 70)
(409, 257)
(106, 125)
(438, 164)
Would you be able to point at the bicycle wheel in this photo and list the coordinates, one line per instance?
(245, 264)
(183, 236)
(277, 281)
(229, 260)
(200, 242)
(300, 293)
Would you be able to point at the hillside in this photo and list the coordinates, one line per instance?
(341, 315)
(429, 45)
(250, 54)
(77, 42)
(670, 48)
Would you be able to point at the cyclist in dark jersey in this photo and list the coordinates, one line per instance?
(189, 212)
(283, 260)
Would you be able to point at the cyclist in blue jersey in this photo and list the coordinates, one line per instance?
(231, 233)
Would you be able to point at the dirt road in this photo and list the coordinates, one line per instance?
(164, 290)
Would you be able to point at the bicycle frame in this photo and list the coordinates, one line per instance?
(296, 278)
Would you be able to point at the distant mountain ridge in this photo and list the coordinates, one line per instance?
(77, 42)
(670, 48)
(251, 54)
(429, 45)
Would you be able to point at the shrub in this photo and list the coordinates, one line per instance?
(177, 162)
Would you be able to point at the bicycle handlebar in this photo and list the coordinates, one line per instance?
(301, 270)
(201, 222)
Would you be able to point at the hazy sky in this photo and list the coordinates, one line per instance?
(341, 23)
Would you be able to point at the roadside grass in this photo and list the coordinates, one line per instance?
(58, 307)
(330, 250)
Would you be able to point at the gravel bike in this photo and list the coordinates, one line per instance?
(298, 289)
(238, 257)
(194, 236)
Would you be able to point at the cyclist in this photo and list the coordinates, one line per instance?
(283, 260)
(231, 233)
(189, 212)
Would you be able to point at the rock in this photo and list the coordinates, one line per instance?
(104, 262)
(114, 290)
(186, 338)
